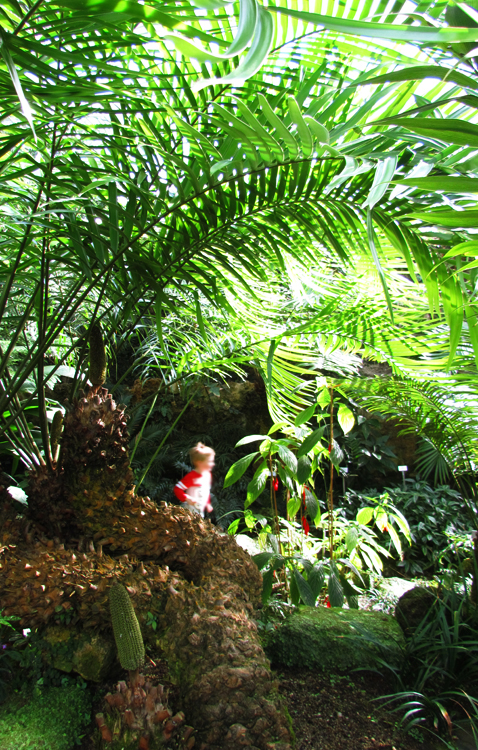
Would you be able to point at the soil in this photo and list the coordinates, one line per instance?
(340, 712)
(336, 711)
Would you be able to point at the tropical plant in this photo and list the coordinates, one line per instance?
(443, 413)
(367, 449)
(309, 563)
(435, 516)
(439, 667)
(125, 194)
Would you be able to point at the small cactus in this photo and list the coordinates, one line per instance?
(129, 640)
(97, 371)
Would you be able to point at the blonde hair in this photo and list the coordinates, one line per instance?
(200, 452)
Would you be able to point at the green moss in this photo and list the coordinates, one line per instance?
(338, 638)
(49, 719)
(289, 721)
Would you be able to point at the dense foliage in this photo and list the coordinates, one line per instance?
(136, 189)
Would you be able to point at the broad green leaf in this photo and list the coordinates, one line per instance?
(277, 426)
(463, 248)
(237, 470)
(312, 506)
(316, 579)
(281, 130)
(395, 539)
(351, 539)
(293, 506)
(335, 590)
(251, 439)
(421, 73)
(304, 589)
(288, 458)
(307, 143)
(323, 398)
(294, 591)
(468, 219)
(364, 516)
(257, 484)
(246, 27)
(402, 523)
(305, 415)
(262, 559)
(346, 418)
(304, 465)
(310, 442)
(381, 519)
(383, 176)
(321, 133)
(233, 527)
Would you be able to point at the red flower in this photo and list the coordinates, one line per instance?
(275, 484)
(327, 602)
(330, 447)
(305, 525)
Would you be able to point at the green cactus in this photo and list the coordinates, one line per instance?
(129, 640)
(97, 371)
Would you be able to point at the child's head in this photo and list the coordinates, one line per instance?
(202, 457)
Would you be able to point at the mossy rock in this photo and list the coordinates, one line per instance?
(335, 638)
(92, 655)
(413, 607)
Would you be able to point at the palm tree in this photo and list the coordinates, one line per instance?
(142, 173)
(120, 192)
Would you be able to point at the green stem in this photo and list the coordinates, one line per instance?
(145, 422)
(331, 486)
(163, 442)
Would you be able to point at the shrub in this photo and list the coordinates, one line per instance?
(436, 516)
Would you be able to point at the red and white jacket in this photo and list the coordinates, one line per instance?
(195, 487)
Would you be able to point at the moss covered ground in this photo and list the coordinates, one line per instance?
(52, 718)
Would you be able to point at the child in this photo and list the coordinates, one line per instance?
(193, 489)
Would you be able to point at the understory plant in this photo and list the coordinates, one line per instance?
(309, 549)
(313, 574)
(440, 526)
(437, 677)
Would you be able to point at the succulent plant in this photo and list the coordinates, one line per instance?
(129, 640)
